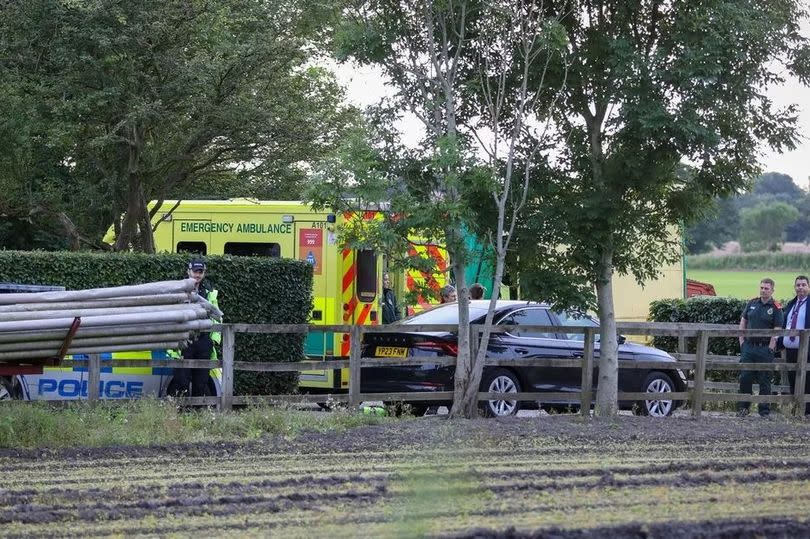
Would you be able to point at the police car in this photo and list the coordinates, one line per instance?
(70, 383)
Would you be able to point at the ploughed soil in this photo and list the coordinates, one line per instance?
(557, 476)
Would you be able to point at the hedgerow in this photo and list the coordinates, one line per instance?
(752, 261)
(251, 290)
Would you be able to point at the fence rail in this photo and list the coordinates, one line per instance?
(698, 391)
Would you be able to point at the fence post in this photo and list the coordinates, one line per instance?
(476, 333)
(228, 350)
(93, 377)
(681, 344)
(587, 374)
(801, 372)
(355, 351)
(700, 373)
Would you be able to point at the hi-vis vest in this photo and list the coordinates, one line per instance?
(216, 336)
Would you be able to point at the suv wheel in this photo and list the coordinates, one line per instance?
(500, 381)
(658, 382)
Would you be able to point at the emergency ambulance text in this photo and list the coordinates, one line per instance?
(241, 228)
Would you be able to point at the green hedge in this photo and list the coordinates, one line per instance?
(251, 290)
(706, 309)
(751, 261)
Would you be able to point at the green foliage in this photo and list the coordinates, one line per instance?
(774, 183)
(618, 185)
(696, 310)
(701, 309)
(720, 224)
(112, 103)
(251, 290)
(152, 422)
(767, 261)
(763, 226)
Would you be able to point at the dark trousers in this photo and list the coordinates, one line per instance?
(198, 378)
(755, 353)
(792, 357)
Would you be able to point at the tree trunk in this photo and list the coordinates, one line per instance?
(465, 390)
(608, 385)
(136, 228)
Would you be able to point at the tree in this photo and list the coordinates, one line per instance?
(720, 224)
(462, 67)
(114, 103)
(774, 183)
(652, 84)
(763, 226)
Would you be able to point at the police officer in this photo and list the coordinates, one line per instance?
(390, 311)
(759, 313)
(200, 348)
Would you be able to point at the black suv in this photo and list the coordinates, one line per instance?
(516, 344)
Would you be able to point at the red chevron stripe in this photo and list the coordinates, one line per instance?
(348, 278)
(364, 312)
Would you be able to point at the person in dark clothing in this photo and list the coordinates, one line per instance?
(390, 311)
(759, 313)
(796, 318)
(202, 347)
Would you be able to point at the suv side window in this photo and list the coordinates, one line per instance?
(573, 318)
(528, 317)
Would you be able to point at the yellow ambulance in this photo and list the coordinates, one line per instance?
(346, 282)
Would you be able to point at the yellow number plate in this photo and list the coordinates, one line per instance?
(392, 351)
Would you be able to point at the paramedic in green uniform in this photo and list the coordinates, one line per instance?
(759, 313)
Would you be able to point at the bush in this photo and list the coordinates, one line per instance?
(752, 261)
(695, 310)
(701, 309)
(251, 290)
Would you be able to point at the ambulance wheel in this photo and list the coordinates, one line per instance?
(10, 389)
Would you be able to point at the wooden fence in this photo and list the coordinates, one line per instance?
(698, 393)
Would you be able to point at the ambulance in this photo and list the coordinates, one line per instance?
(346, 284)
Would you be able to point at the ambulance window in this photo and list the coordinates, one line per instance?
(198, 247)
(366, 283)
(253, 249)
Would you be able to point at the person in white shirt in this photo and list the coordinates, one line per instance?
(796, 316)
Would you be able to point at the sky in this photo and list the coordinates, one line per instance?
(795, 163)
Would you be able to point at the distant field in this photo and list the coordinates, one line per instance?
(745, 284)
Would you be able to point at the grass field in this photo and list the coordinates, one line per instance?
(745, 284)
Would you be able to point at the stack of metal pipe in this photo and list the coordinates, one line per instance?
(153, 316)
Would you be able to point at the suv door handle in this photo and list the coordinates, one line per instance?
(522, 350)
(578, 354)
